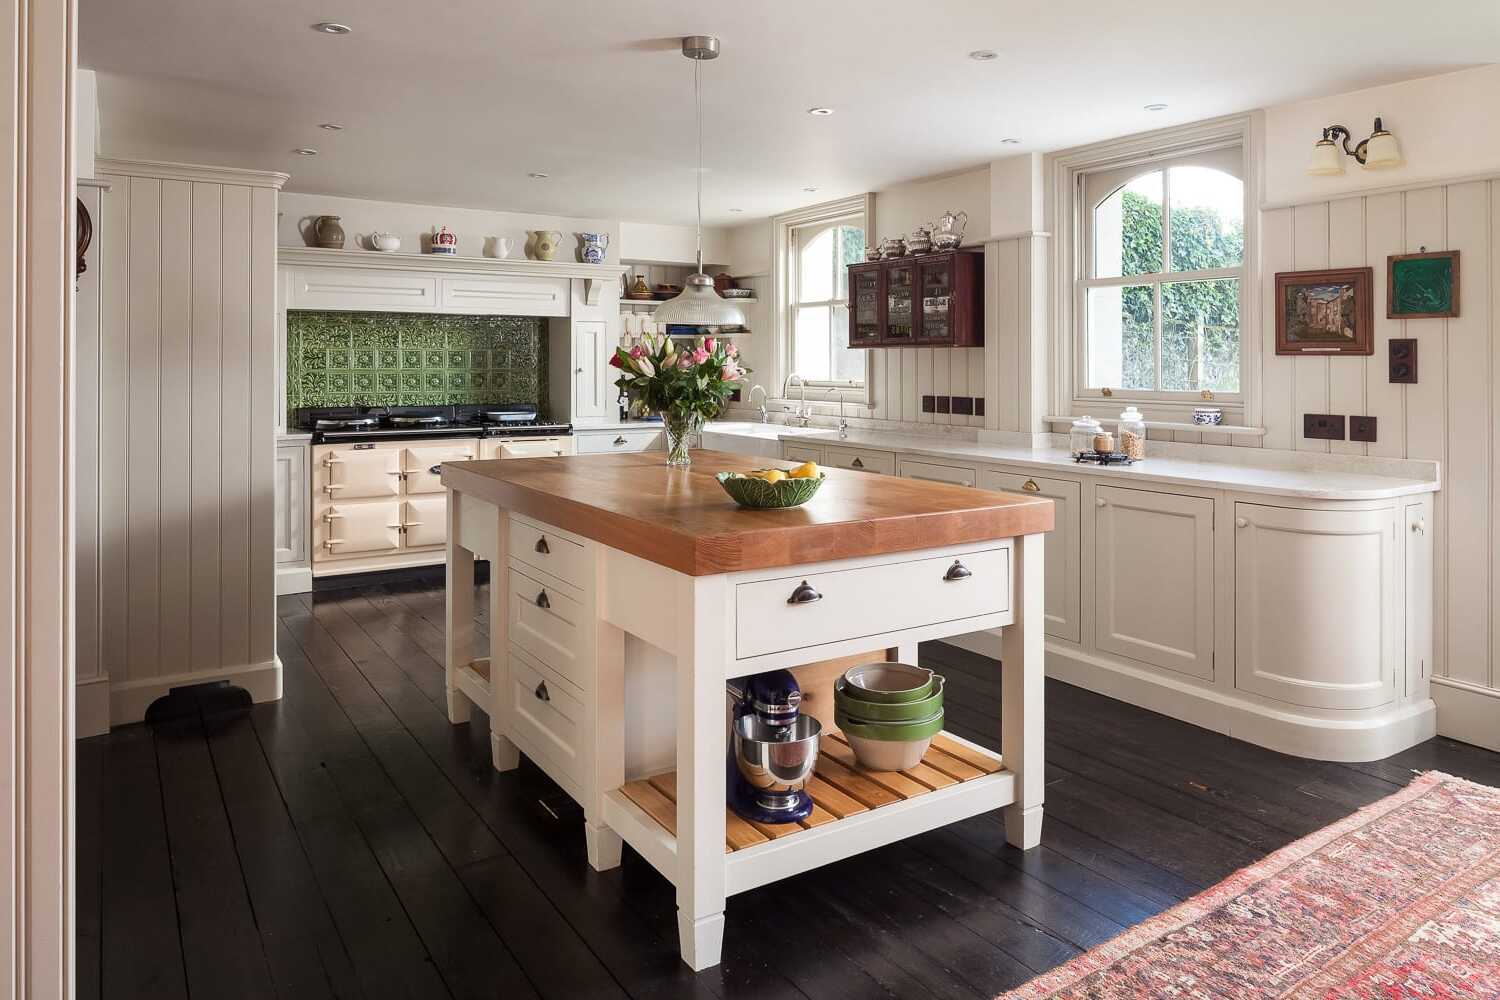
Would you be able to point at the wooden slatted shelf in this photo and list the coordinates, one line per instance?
(840, 788)
(474, 681)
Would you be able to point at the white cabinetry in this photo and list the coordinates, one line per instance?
(1154, 578)
(1315, 599)
(860, 459)
(293, 563)
(592, 386)
(355, 288)
(801, 452)
(503, 295)
(618, 439)
(1063, 544)
(959, 475)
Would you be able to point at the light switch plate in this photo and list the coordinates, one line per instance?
(1362, 429)
(1403, 360)
(1323, 426)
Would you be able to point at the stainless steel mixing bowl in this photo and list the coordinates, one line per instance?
(776, 760)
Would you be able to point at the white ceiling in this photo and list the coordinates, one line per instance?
(452, 102)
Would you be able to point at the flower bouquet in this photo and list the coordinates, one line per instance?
(686, 383)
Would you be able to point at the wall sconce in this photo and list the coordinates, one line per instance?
(1378, 152)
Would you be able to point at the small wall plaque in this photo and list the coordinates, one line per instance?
(1421, 285)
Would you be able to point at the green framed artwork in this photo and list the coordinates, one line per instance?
(1421, 285)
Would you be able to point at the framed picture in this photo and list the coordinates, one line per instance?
(1325, 312)
(1421, 285)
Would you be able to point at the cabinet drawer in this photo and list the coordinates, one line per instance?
(958, 475)
(801, 453)
(861, 460)
(357, 289)
(534, 448)
(550, 552)
(631, 440)
(504, 296)
(546, 623)
(858, 602)
(547, 717)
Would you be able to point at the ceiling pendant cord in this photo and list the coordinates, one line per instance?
(698, 107)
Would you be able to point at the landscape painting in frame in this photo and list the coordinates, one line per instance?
(1325, 312)
(1421, 285)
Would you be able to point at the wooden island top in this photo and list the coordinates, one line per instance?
(681, 518)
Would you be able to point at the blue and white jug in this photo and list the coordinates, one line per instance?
(595, 245)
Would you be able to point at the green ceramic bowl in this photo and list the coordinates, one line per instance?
(888, 682)
(889, 732)
(757, 493)
(845, 700)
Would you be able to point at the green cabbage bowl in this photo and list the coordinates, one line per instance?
(747, 491)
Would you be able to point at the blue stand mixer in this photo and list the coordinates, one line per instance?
(773, 749)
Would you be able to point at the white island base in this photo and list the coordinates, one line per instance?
(614, 721)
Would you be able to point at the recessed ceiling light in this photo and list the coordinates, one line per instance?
(537, 175)
(984, 55)
(332, 28)
(331, 127)
(1011, 142)
(305, 151)
(809, 190)
(820, 112)
(1156, 107)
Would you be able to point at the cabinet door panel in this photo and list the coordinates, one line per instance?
(509, 295)
(1154, 566)
(355, 289)
(1315, 605)
(358, 529)
(1063, 545)
(801, 453)
(900, 304)
(866, 290)
(935, 289)
(860, 460)
(591, 370)
(958, 475)
(349, 473)
(535, 448)
(418, 463)
(291, 503)
(425, 519)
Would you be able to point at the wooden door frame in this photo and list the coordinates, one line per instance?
(36, 552)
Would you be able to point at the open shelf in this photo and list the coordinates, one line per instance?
(474, 681)
(653, 303)
(855, 810)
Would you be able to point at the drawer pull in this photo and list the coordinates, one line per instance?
(856, 464)
(1030, 486)
(541, 692)
(804, 594)
(620, 440)
(436, 470)
(958, 571)
(541, 546)
(1101, 502)
(1419, 527)
(542, 601)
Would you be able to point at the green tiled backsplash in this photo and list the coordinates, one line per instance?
(406, 359)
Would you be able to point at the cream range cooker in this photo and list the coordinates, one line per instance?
(377, 494)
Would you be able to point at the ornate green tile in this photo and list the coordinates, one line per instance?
(458, 359)
(313, 358)
(499, 355)
(314, 388)
(338, 359)
(411, 359)
(364, 382)
(364, 357)
(479, 361)
(435, 381)
(411, 381)
(458, 380)
(435, 359)
(479, 380)
(388, 360)
(340, 383)
(388, 381)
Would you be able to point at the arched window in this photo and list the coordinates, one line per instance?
(819, 301)
(1162, 284)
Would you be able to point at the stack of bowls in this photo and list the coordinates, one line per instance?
(889, 713)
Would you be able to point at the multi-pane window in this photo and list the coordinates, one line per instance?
(1160, 295)
(819, 301)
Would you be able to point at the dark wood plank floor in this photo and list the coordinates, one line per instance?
(348, 842)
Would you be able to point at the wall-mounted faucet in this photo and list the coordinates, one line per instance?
(765, 417)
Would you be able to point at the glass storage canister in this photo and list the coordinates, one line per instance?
(1081, 437)
(1132, 433)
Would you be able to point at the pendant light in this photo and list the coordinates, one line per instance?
(699, 304)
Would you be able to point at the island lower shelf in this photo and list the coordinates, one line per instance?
(854, 811)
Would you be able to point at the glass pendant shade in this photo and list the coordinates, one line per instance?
(1327, 159)
(1383, 152)
(699, 305)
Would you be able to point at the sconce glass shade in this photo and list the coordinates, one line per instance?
(1327, 159)
(1383, 152)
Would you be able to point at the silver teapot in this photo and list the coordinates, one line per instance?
(948, 231)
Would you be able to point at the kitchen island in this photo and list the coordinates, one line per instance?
(625, 593)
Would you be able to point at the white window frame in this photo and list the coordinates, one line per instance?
(783, 293)
(1070, 219)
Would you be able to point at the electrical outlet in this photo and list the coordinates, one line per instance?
(929, 404)
(978, 406)
(1403, 360)
(1362, 429)
(1323, 426)
(944, 404)
(963, 405)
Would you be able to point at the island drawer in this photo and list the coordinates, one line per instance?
(810, 609)
(860, 459)
(549, 551)
(547, 718)
(547, 623)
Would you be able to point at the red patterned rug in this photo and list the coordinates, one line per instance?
(1401, 899)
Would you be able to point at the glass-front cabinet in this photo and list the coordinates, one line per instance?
(866, 294)
(931, 300)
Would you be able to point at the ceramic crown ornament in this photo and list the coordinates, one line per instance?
(444, 242)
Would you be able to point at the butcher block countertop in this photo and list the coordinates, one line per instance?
(683, 519)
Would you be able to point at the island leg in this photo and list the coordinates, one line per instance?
(1021, 694)
(702, 645)
(458, 649)
(604, 844)
(504, 755)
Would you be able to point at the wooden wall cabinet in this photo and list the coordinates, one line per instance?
(935, 300)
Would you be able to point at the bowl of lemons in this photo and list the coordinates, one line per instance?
(773, 488)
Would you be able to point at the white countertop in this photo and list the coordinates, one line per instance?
(1313, 477)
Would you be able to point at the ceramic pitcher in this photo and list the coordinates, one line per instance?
(544, 243)
(595, 245)
(327, 232)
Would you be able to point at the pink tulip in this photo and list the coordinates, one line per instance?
(732, 351)
(708, 345)
(683, 361)
(730, 372)
(637, 352)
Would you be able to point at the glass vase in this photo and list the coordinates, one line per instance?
(681, 427)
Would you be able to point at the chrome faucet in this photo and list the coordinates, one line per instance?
(802, 413)
(843, 424)
(765, 417)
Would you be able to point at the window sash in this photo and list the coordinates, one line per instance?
(801, 235)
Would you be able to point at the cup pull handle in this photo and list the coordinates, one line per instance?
(542, 600)
(804, 594)
(541, 691)
(856, 464)
(1030, 486)
(436, 470)
(542, 547)
(619, 440)
(958, 571)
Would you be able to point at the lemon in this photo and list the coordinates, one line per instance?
(807, 470)
(770, 475)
